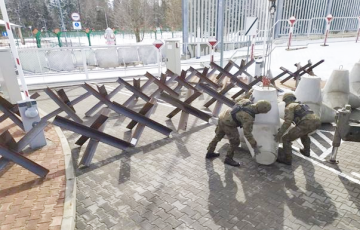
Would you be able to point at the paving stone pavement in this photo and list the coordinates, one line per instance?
(166, 183)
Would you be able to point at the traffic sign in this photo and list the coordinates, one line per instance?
(212, 42)
(4, 34)
(292, 21)
(77, 25)
(75, 16)
(158, 44)
(251, 25)
(329, 18)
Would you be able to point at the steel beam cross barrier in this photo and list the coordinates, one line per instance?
(294, 75)
(63, 106)
(8, 141)
(133, 89)
(12, 107)
(90, 133)
(192, 93)
(104, 93)
(218, 96)
(162, 86)
(98, 124)
(146, 111)
(186, 108)
(120, 109)
(7, 153)
(254, 82)
(233, 77)
(136, 84)
(62, 95)
(9, 114)
(203, 77)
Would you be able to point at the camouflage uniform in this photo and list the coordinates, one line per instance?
(306, 122)
(227, 126)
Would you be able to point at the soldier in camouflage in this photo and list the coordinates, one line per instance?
(306, 122)
(242, 115)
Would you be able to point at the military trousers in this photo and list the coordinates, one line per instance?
(301, 130)
(233, 135)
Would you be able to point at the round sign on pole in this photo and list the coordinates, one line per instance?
(158, 44)
(292, 21)
(75, 16)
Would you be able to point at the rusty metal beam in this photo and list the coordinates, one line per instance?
(185, 107)
(120, 109)
(131, 100)
(189, 100)
(66, 108)
(99, 104)
(100, 121)
(222, 92)
(216, 95)
(143, 111)
(91, 133)
(62, 95)
(254, 82)
(161, 85)
(6, 140)
(136, 84)
(203, 77)
(23, 162)
(232, 77)
(34, 95)
(29, 136)
(134, 90)
(293, 75)
(12, 116)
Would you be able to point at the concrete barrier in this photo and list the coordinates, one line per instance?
(337, 89)
(265, 127)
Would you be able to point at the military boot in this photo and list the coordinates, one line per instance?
(231, 162)
(285, 155)
(210, 155)
(305, 140)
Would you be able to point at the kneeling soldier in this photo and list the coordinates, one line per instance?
(242, 115)
(306, 121)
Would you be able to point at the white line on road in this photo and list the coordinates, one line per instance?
(324, 137)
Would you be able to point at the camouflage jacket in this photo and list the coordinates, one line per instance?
(290, 116)
(245, 118)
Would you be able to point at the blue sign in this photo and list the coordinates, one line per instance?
(77, 24)
(4, 34)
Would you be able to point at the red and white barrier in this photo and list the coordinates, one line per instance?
(292, 21)
(328, 19)
(14, 49)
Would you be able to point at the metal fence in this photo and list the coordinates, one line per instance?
(42, 61)
(202, 15)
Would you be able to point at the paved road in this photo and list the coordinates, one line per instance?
(166, 183)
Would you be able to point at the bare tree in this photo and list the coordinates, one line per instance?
(133, 15)
(173, 14)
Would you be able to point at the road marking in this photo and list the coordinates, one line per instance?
(315, 142)
(312, 154)
(324, 137)
(355, 174)
(326, 167)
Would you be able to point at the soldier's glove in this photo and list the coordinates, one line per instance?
(277, 137)
(257, 150)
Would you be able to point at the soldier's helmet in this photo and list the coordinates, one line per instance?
(263, 106)
(289, 96)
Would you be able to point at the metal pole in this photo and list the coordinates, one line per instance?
(14, 50)
(279, 11)
(159, 72)
(61, 16)
(220, 35)
(107, 26)
(185, 20)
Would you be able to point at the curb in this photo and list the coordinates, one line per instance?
(68, 221)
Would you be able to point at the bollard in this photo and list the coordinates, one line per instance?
(341, 130)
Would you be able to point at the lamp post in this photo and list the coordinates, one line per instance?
(98, 9)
